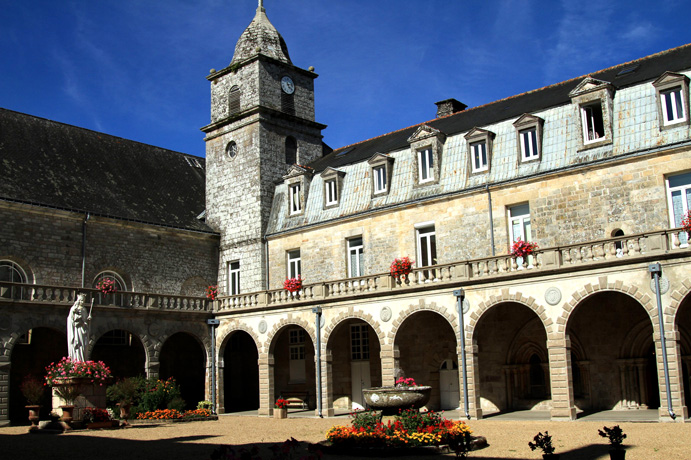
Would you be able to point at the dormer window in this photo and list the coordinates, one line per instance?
(297, 182)
(479, 143)
(426, 144)
(295, 199)
(382, 166)
(594, 101)
(529, 136)
(672, 99)
(333, 183)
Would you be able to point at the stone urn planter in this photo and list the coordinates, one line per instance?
(281, 413)
(390, 399)
(67, 413)
(33, 416)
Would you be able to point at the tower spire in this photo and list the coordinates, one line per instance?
(261, 6)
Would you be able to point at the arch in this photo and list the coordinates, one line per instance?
(14, 271)
(603, 285)
(120, 283)
(422, 306)
(180, 360)
(123, 352)
(150, 344)
(517, 297)
(353, 314)
(50, 322)
(238, 378)
(228, 328)
(679, 297)
(285, 322)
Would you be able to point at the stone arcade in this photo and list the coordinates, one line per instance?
(597, 170)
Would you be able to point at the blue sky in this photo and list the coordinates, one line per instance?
(136, 68)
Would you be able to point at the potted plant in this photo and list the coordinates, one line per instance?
(106, 286)
(520, 250)
(686, 224)
(401, 267)
(544, 442)
(95, 418)
(293, 285)
(32, 389)
(212, 292)
(403, 382)
(616, 436)
(68, 393)
(124, 392)
(281, 408)
(68, 370)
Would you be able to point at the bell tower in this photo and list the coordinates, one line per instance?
(262, 122)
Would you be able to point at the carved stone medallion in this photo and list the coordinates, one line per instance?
(385, 314)
(262, 327)
(553, 295)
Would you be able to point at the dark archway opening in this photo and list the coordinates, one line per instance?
(30, 355)
(293, 370)
(183, 358)
(122, 352)
(240, 373)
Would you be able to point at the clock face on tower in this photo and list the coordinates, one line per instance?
(287, 85)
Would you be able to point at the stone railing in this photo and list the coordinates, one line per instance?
(37, 293)
(613, 251)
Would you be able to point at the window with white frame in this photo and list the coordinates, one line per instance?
(12, 272)
(379, 179)
(356, 266)
(294, 264)
(296, 353)
(672, 103)
(426, 250)
(425, 165)
(359, 342)
(519, 222)
(592, 123)
(233, 276)
(679, 199)
(529, 147)
(478, 156)
(331, 192)
(295, 198)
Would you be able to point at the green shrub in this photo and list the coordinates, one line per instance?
(366, 419)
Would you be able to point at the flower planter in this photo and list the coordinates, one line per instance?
(33, 416)
(67, 413)
(390, 399)
(101, 425)
(617, 454)
(281, 413)
(550, 456)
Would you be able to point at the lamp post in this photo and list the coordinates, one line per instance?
(655, 271)
(460, 296)
(213, 323)
(318, 316)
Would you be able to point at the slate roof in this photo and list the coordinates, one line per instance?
(46, 163)
(648, 68)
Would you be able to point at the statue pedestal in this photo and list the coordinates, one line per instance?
(92, 395)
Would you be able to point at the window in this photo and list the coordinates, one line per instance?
(233, 276)
(11, 272)
(679, 199)
(528, 139)
(231, 150)
(479, 142)
(592, 122)
(672, 99)
(296, 353)
(672, 106)
(359, 342)
(294, 265)
(355, 258)
(478, 155)
(291, 150)
(425, 165)
(119, 282)
(331, 192)
(593, 100)
(426, 251)
(382, 166)
(234, 100)
(295, 199)
(116, 337)
(519, 223)
(379, 179)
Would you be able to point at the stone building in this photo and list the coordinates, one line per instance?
(596, 170)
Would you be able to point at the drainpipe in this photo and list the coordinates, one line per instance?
(84, 248)
(266, 263)
(491, 219)
(656, 270)
(213, 323)
(317, 318)
(460, 295)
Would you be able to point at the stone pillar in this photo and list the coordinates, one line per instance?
(4, 390)
(642, 387)
(472, 369)
(153, 369)
(675, 377)
(220, 387)
(389, 356)
(327, 362)
(561, 380)
(266, 384)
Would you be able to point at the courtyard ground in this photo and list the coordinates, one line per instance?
(196, 440)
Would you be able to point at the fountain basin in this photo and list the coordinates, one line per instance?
(391, 399)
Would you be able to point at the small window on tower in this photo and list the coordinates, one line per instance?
(234, 100)
(291, 150)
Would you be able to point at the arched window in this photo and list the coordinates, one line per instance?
(117, 279)
(234, 100)
(619, 245)
(11, 272)
(291, 150)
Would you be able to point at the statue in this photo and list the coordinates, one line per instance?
(78, 328)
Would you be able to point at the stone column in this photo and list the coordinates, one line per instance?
(642, 387)
(220, 386)
(327, 369)
(266, 384)
(561, 380)
(675, 377)
(389, 356)
(472, 369)
(4, 390)
(153, 369)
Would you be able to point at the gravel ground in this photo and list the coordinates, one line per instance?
(196, 440)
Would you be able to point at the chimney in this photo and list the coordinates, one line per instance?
(448, 107)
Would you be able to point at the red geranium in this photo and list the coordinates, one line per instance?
(686, 223)
(293, 284)
(523, 248)
(212, 292)
(281, 403)
(401, 267)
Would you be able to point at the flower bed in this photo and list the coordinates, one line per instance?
(175, 415)
(410, 429)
